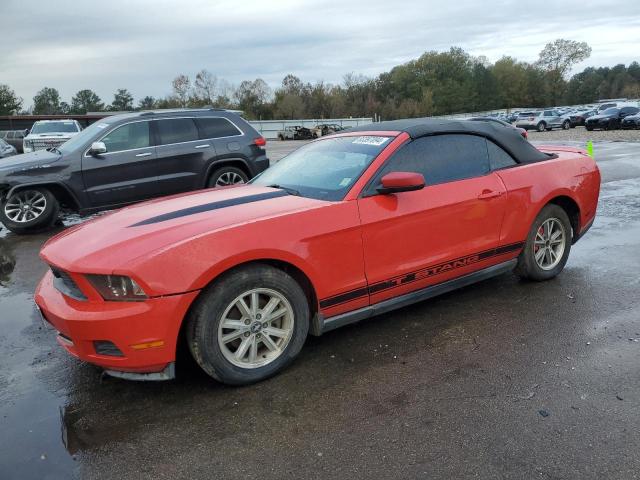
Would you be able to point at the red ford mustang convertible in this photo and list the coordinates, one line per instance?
(342, 229)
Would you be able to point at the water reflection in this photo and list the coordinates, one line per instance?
(7, 262)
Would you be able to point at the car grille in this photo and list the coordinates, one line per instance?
(65, 284)
(44, 143)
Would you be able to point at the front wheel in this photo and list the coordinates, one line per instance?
(30, 210)
(566, 125)
(225, 176)
(548, 245)
(249, 325)
(541, 127)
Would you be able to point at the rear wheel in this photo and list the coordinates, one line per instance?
(541, 126)
(566, 125)
(227, 176)
(30, 210)
(548, 245)
(249, 325)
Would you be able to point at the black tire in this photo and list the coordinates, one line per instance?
(204, 319)
(281, 137)
(566, 125)
(527, 266)
(589, 128)
(229, 172)
(44, 221)
(541, 127)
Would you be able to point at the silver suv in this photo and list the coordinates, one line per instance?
(50, 133)
(542, 120)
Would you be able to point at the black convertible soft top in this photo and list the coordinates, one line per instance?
(508, 138)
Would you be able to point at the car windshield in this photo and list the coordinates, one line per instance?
(54, 127)
(611, 111)
(3, 144)
(325, 169)
(85, 137)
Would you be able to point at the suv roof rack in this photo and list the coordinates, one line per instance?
(179, 110)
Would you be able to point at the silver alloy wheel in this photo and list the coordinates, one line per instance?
(25, 206)
(549, 243)
(229, 178)
(256, 328)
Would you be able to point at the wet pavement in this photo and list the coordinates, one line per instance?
(503, 379)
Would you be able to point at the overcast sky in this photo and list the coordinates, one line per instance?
(141, 45)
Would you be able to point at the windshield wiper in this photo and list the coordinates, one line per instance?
(54, 149)
(290, 191)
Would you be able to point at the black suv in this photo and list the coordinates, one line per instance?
(127, 158)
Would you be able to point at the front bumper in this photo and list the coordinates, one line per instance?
(145, 333)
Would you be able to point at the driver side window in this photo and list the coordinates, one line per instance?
(128, 137)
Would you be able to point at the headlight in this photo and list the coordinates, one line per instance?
(117, 288)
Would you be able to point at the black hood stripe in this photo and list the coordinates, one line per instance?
(207, 207)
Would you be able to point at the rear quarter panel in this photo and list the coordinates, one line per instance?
(531, 186)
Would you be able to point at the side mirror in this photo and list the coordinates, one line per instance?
(98, 148)
(396, 182)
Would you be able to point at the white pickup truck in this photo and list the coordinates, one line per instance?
(50, 133)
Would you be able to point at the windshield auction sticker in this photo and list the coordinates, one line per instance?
(369, 140)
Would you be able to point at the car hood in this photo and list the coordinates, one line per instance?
(32, 136)
(27, 160)
(114, 240)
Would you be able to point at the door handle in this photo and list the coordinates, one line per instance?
(202, 146)
(486, 194)
(147, 154)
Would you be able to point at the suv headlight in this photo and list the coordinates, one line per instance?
(117, 288)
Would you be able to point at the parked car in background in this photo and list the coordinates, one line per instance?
(610, 119)
(342, 229)
(541, 120)
(50, 133)
(579, 117)
(6, 150)
(630, 122)
(498, 121)
(127, 158)
(326, 129)
(296, 132)
(15, 139)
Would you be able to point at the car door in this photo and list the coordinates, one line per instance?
(126, 172)
(222, 134)
(625, 112)
(552, 118)
(182, 155)
(449, 228)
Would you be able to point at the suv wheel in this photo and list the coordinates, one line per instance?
(547, 247)
(248, 325)
(29, 210)
(227, 176)
(566, 125)
(541, 126)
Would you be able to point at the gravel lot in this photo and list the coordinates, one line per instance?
(500, 380)
(580, 134)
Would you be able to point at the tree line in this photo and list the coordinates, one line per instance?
(436, 83)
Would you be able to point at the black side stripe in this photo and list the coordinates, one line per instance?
(419, 275)
(207, 207)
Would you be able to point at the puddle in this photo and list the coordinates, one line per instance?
(30, 444)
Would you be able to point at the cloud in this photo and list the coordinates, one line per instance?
(141, 45)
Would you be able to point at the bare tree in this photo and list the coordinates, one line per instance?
(206, 87)
(181, 89)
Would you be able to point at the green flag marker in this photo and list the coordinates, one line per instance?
(590, 148)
